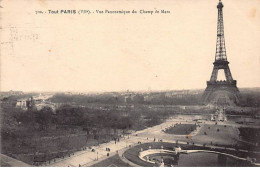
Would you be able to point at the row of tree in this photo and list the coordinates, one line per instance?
(151, 99)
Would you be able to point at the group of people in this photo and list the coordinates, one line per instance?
(159, 140)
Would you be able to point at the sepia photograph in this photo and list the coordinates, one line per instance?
(130, 83)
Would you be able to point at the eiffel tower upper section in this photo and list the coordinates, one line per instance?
(220, 46)
(221, 56)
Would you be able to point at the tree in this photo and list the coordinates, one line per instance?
(44, 117)
(9, 122)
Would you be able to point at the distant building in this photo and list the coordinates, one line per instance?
(127, 99)
(134, 98)
(26, 104)
(148, 98)
(41, 105)
(138, 98)
(177, 94)
(21, 104)
(10, 93)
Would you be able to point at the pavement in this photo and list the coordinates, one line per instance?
(88, 158)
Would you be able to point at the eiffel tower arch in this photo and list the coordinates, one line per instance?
(221, 92)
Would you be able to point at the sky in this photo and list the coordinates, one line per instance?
(115, 52)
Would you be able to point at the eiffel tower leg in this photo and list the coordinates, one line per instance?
(214, 74)
(207, 94)
(228, 74)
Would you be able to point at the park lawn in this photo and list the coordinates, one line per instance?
(181, 129)
(217, 134)
(49, 147)
(250, 134)
(112, 161)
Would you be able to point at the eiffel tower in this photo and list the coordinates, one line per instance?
(221, 92)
